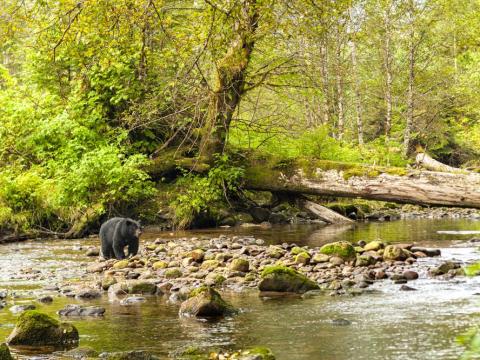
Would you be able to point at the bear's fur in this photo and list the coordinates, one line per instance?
(117, 233)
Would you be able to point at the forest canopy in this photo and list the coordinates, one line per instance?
(93, 92)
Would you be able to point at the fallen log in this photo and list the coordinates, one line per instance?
(326, 178)
(323, 213)
(424, 160)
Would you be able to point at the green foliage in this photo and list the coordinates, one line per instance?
(472, 270)
(197, 193)
(471, 341)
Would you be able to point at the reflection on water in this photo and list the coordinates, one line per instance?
(387, 324)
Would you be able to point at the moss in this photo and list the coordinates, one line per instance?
(302, 258)
(5, 352)
(297, 250)
(361, 172)
(122, 264)
(242, 265)
(342, 249)
(159, 265)
(141, 287)
(260, 353)
(205, 301)
(279, 269)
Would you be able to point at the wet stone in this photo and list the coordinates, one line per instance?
(17, 309)
(78, 310)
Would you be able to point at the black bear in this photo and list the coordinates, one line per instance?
(117, 233)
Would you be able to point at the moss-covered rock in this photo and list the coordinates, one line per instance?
(133, 287)
(284, 279)
(302, 258)
(157, 265)
(122, 264)
(108, 281)
(173, 273)
(210, 264)
(394, 252)
(373, 245)
(82, 353)
(297, 250)
(130, 355)
(5, 352)
(239, 265)
(275, 252)
(257, 353)
(342, 249)
(34, 328)
(205, 301)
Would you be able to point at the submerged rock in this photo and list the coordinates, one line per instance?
(342, 249)
(285, 279)
(5, 352)
(129, 355)
(132, 300)
(257, 353)
(16, 309)
(444, 268)
(82, 353)
(206, 302)
(34, 328)
(78, 310)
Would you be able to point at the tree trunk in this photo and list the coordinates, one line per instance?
(308, 176)
(229, 81)
(339, 83)
(324, 71)
(388, 74)
(429, 163)
(356, 87)
(411, 79)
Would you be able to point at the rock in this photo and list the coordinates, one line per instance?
(277, 218)
(5, 352)
(297, 250)
(129, 355)
(427, 252)
(394, 252)
(108, 281)
(37, 329)
(122, 264)
(410, 275)
(285, 279)
(206, 302)
(380, 274)
(258, 353)
(336, 260)
(197, 255)
(157, 265)
(81, 353)
(373, 245)
(45, 299)
(244, 218)
(173, 273)
(444, 268)
(238, 264)
(319, 258)
(132, 300)
(132, 287)
(96, 267)
(210, 264)
(342, 249)
(341, 322)
(275, 252)
(16, 309)
(3, 294)
(407, 288)
(302, 258)
(87, 293)
(364, 260)
(92, 252)
(260, 214)
(214, 279)
(78, 310)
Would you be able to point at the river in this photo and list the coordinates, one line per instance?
(384, 324)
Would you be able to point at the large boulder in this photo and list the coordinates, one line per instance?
(5, 352)
(206, 302)
(342, 249)
(285, 279)
(34, 328)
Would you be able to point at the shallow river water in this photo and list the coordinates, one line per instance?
(386, 324)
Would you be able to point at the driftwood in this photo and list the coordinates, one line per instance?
(323, 213)
(429, 163)
(306, 176)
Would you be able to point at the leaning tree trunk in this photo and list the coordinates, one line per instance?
(430, 163)
(229, 81)
(307, 176)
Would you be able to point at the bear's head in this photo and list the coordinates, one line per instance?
(134, 228)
